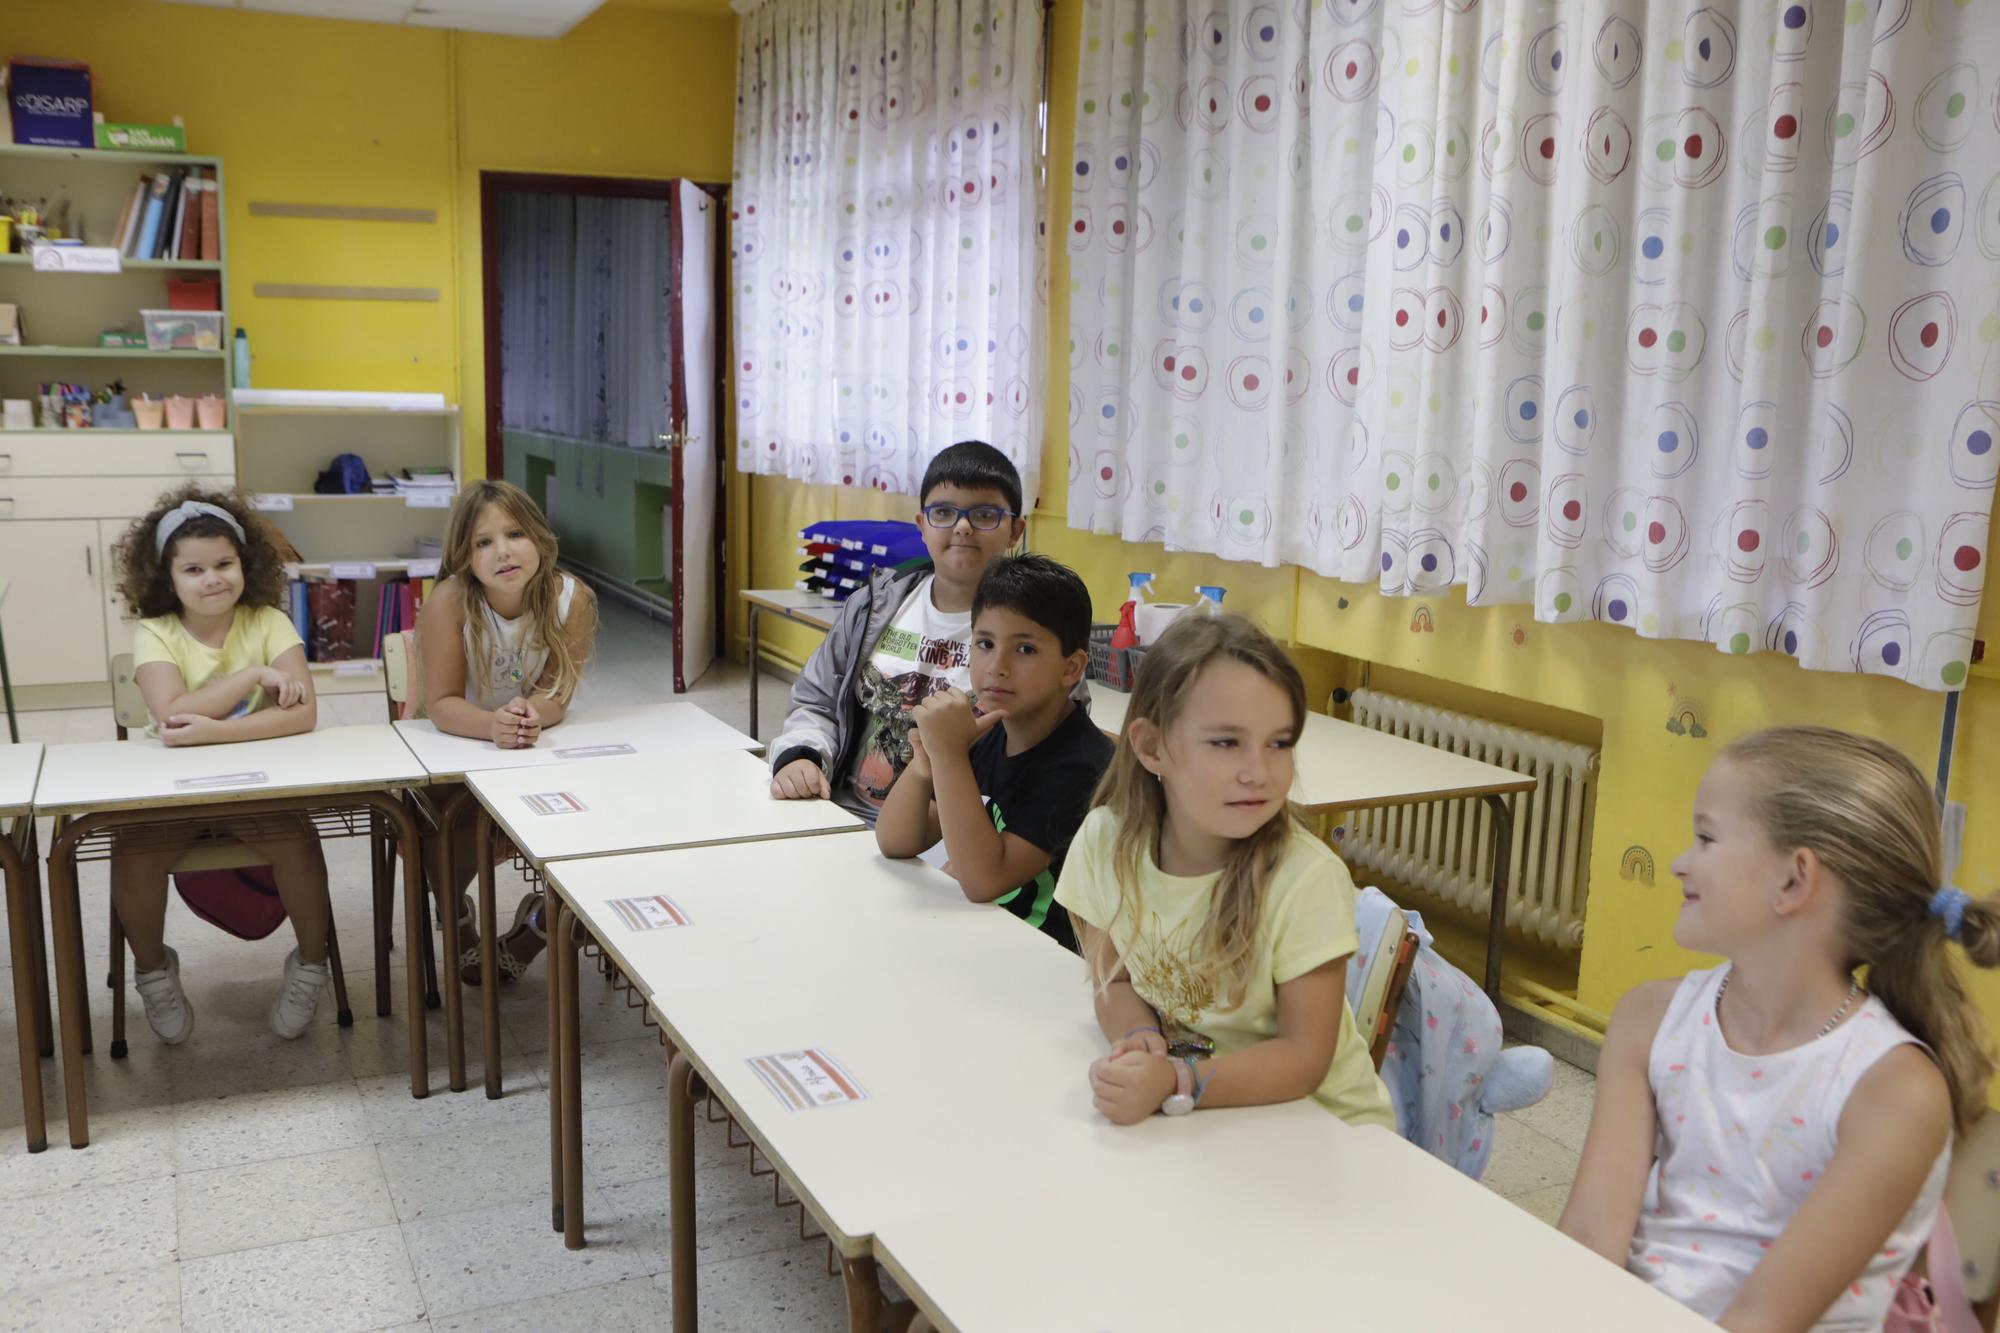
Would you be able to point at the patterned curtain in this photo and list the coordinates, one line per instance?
(585, 317)
(889, 283)
(1681, 317)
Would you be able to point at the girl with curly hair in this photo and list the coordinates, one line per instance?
(217, 659)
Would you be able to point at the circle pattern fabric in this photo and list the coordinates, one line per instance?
(1680, 318)
(889, 265)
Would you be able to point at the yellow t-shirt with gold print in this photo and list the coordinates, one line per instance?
(1308, 921)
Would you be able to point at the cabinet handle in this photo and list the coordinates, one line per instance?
(88, 564)
(192, 462)
(6, 462)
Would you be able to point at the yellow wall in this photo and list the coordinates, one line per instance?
(1631, 685)
(318, 111)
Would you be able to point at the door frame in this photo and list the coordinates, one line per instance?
(493, 184)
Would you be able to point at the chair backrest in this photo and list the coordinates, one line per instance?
(128, 706)
(1972, 1196)
(1390, 956)
(402, 675)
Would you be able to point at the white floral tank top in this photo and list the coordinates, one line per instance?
(1741, 1141)
(518, 657)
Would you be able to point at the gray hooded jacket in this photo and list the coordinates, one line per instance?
(824, 723)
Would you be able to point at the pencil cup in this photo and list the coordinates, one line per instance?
(149, 412)
(180, 413)
(208, 411)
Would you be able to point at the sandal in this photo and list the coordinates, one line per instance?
(512, 966)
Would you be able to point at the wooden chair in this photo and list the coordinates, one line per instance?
(210, 852)
(401, 671)
(1391, 955)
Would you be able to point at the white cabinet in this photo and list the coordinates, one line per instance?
(54, 617)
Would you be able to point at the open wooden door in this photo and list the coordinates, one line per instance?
(697, 499)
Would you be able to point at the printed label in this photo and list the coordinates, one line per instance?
(271, 504)
(351, 569)
(593, 751)
(76, 259)
(423, 569)
(554, 803)
(807, 1080)
(658, 912)
(435, 498)
(218, 780)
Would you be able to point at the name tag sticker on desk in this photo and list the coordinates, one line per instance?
(554, 803)
(217, 780)
(807, 1080)
(594, 751)
(655, 913)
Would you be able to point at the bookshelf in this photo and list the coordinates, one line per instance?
(67, 496)
(367, 542)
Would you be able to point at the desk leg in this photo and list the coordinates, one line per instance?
(414, 939)
(454, 997)
(489, 951)
(381, 874)
(864, 1294)
(71, 994)
(15, 870)
(567, 957)
(756, 666)
(550, 906)
(680, 1193)
(38, 958)
(1496, 917)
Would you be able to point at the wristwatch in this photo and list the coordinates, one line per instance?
(1181, 1101)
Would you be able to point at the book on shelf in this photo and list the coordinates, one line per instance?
(155, 210)
(190, 237)
(170, 243)
(211, 219)
(133, 203)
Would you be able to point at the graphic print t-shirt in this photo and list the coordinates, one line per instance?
(923, 650)
(1040, 796)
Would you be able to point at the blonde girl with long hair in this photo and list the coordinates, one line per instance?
(1216, 930)
(1771, 1136)
(502, 641)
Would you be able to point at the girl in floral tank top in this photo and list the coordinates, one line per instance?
(1770, 1138)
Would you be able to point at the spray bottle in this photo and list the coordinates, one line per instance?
(1208, 599)
(1127, 633)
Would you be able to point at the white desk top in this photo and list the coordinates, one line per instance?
(1366, 1231)
(654, 729)
(19, 765)
(132, 774)
(636, 803)
(790, 602)
(793, 908)
(1342, 766)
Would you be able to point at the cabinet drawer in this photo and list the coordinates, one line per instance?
(114, 453)
(92, 497)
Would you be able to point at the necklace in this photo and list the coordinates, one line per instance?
(1853, 989)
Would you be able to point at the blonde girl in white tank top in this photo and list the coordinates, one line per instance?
(502, 641)
(1770, 1137)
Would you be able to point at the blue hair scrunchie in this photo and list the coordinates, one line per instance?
(1949, 904)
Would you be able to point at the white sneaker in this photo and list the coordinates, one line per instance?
(167, 1007)
(292, 1011)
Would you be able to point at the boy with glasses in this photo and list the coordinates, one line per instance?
(900, 639)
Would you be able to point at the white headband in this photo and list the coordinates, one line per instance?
(170, 522)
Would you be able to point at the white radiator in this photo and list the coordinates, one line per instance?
(1445, 848)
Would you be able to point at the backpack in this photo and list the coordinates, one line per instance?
(243, 901)
(346, 475)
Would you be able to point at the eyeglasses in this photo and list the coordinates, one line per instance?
(983, 518)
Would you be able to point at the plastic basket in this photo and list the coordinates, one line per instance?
(1100, 651)
(1125, 668)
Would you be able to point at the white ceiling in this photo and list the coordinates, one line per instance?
(513, 18)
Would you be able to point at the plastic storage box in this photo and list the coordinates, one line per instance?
(183, 330)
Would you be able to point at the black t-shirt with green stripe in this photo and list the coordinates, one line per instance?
(1041, 796)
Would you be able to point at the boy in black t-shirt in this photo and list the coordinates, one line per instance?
(1007, 787)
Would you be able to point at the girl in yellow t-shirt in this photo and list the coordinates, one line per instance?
(1215, 928)
(217, 660)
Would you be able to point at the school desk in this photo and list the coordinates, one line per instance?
(1357, 1229)
(1341, 766)
(604, 807)
(801, 608)
(19, 766)
(646, 729)
(341, 779)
